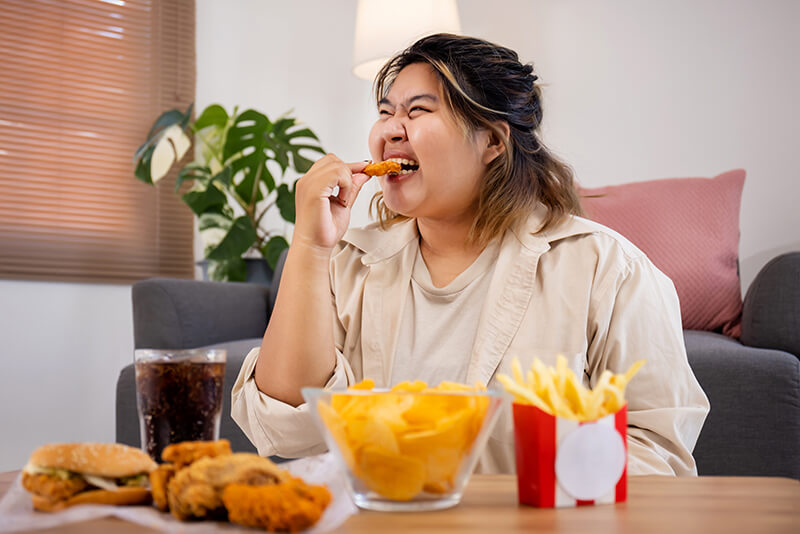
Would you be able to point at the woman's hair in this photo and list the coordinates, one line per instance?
(484, 83)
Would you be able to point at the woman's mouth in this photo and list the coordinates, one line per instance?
(408, 168)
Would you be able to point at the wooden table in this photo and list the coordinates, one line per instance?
(655, 504)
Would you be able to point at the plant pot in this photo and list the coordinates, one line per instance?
(258, 271)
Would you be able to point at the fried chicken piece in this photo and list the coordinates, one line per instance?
(52, 487)
(186, 452)
(159, 478)
(382, 167)
(289, 506)
(196, 490)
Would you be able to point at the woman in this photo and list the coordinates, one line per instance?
(479, 256)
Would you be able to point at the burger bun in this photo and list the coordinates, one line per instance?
(111, 460)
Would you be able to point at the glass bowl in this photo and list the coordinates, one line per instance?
(405, 450)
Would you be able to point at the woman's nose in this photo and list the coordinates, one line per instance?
(394, 130)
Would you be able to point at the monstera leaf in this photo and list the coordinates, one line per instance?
(213, 115)
(166, 144)
(245, 150)
(272, 251)
(285, 202)
(253, 140)
(288, 141)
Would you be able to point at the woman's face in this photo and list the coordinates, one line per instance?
(415, 124)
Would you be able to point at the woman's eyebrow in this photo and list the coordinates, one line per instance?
(411, 100)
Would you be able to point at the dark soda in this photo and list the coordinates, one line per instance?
(178, 401)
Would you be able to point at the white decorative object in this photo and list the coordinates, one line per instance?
(590, 461)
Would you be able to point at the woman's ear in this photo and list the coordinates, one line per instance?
(498, 136)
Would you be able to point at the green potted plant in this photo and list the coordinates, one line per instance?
(236, 160)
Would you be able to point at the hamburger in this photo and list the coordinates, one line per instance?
(60, 475)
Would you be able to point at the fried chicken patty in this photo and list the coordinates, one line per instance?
(291, 506)
(159, 478)
(187, 452)
(53, 487)
(196, 490)
(382, 167)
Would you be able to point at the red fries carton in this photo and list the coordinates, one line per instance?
(563, 462)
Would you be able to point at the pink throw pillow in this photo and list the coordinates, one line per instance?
(689, 228)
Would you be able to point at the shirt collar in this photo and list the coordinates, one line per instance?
(380, 245)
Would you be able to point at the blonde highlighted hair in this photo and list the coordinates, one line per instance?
(483, 84)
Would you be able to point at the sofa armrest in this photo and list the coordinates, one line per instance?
(754, 424)
(175, 314)
(771, 312)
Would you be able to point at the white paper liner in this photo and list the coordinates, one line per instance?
(17, 513)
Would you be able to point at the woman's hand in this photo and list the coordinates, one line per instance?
(322, 218)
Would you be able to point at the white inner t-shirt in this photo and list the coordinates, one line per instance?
(438, 327)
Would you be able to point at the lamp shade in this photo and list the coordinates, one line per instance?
(384, 27)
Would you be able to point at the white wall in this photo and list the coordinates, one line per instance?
(62, 348)
(636, 89)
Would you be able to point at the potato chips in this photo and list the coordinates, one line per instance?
(559, 392)
(410, 439)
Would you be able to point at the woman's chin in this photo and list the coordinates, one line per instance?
(399, 193)
(400, 208)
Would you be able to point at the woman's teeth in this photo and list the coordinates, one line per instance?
(408, 165)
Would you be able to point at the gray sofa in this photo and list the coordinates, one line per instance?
(753, 386)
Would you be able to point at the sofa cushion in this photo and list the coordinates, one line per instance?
(689, 228)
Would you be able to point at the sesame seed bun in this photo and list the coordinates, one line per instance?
(110, 460)
(122, 496)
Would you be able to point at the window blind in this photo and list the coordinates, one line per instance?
(82, 82)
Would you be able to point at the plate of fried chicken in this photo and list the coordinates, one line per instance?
(200, 485)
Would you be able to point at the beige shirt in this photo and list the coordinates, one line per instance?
(580, 289)
(438, 325)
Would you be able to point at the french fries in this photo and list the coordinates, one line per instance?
(559, 392)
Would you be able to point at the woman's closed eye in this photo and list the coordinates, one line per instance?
(415, 111)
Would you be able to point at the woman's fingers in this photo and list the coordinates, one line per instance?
(358, 182)
(324, 197)
(350, 183)
(358, 166)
